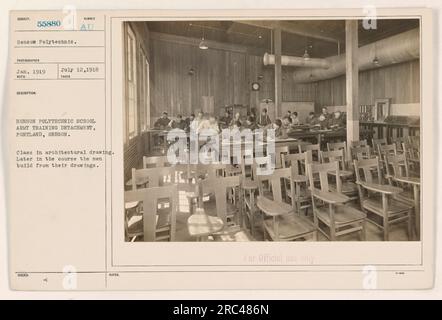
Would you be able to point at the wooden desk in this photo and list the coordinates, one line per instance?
(325, 135)
(389, 130)
(150, 140)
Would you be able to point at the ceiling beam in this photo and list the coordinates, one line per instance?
(289, 28)
(213, 45)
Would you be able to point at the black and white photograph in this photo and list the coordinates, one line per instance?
(272, 130)
(211, 151)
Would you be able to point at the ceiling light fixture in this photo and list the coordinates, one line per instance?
(203, 45)
(376, 61)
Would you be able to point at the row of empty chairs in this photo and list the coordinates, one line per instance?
(334, 191)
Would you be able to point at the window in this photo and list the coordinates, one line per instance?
(131, 95)
(144, 92)
(147, 94)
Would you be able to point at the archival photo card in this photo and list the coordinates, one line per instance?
(238, 149)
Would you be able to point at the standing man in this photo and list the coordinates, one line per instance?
(263, 119)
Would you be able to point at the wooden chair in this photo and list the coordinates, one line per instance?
(361, 152)
(339, 146)
(225, 207)
(247, 167)
(378, 198)
(358, 143)
(398, 141)
(235, 168)
(376, 142)
(281, 222)
(308, 159)
(300, 181)
(218, 217)
(329, 206)
(158, 161)
(278, 152)
(399, 175)
(348, 187)
(314, 148)
(158, 221)
(132, 218)
(384, 150)
(413, 157)
(249, 187)
(414, 140)
(387, 149)
(413, 147)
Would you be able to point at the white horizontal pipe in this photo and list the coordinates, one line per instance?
(398, 48)
(269, 59)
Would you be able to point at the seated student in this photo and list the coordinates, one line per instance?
(295, 119)
(250, 123)
(189, 121)
(178, 123)
(325, 113)
(263, 119)
(279, 131)
(195, 122)
(323, 121)
(209, 123)
(287, 124)
(288, 114)
(311, 120)
(225, 121)
(162, 122)
(213, 124)
(338, 120)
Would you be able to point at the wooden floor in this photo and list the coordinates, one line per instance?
(398, 232)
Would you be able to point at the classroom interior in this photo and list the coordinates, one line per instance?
(342, 98)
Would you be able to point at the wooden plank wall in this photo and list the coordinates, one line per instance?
(227, 76)
(218, 73)
(400, 82)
